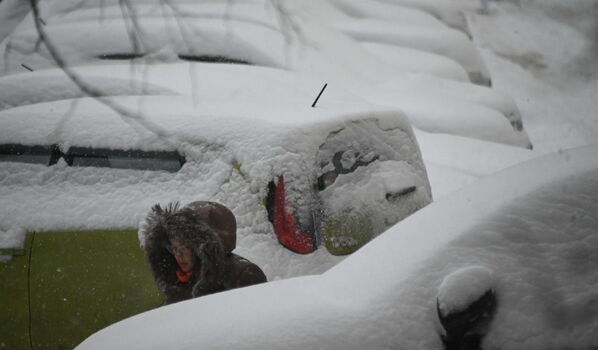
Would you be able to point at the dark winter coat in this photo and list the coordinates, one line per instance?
(209, 230)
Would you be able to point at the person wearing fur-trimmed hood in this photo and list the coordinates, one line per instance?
(189, 251)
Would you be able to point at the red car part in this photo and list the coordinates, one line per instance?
(288, 232)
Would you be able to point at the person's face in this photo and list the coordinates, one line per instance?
(182, 254)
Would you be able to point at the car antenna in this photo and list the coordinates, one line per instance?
(26, 67)
(320, 94)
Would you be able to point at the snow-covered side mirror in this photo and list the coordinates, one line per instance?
(466, 305)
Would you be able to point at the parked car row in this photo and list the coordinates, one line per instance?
(255, 33)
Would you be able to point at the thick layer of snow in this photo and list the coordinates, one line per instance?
(554, 85)
(298, 42)
(450, 12)
(51, 85)
(449, 116)
(447, 42)
(401, 26)
(452, 162)
(378, 10)
(538, 236)
(411, 60)
(249, 42)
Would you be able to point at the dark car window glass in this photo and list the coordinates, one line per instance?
(25, 158)
(191, 58)
(120, 56)
(119, 159)
(212, 59)
(28, 154)
(95, 157)
(90, 161)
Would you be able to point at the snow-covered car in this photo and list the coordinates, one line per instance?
(78, 175)
(415, 31)
(436, 96)
(507, 263)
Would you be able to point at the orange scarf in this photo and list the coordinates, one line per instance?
(183, 276)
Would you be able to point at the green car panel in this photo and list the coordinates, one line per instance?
(80, 282)
(345, 234)
(14, 291)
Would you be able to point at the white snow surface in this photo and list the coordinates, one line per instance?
(296, 41)
(412, 60)
(554, 304)
(539, 236)
(554, 85)
(447, 42)
(463, 287)
(541, 250)
(450, 12)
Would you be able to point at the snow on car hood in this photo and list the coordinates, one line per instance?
(532, 226)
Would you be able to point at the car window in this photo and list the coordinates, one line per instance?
(120, 56)
(29, 154)
(120, 159)
(184, 57)
(170, 161)
(212, 59)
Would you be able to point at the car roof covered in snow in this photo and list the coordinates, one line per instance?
(252, 32)
(289, 37)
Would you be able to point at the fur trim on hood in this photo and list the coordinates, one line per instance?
(185, 225)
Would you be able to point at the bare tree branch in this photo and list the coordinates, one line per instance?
(187, 31)
(132, 25)
(127, 115)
